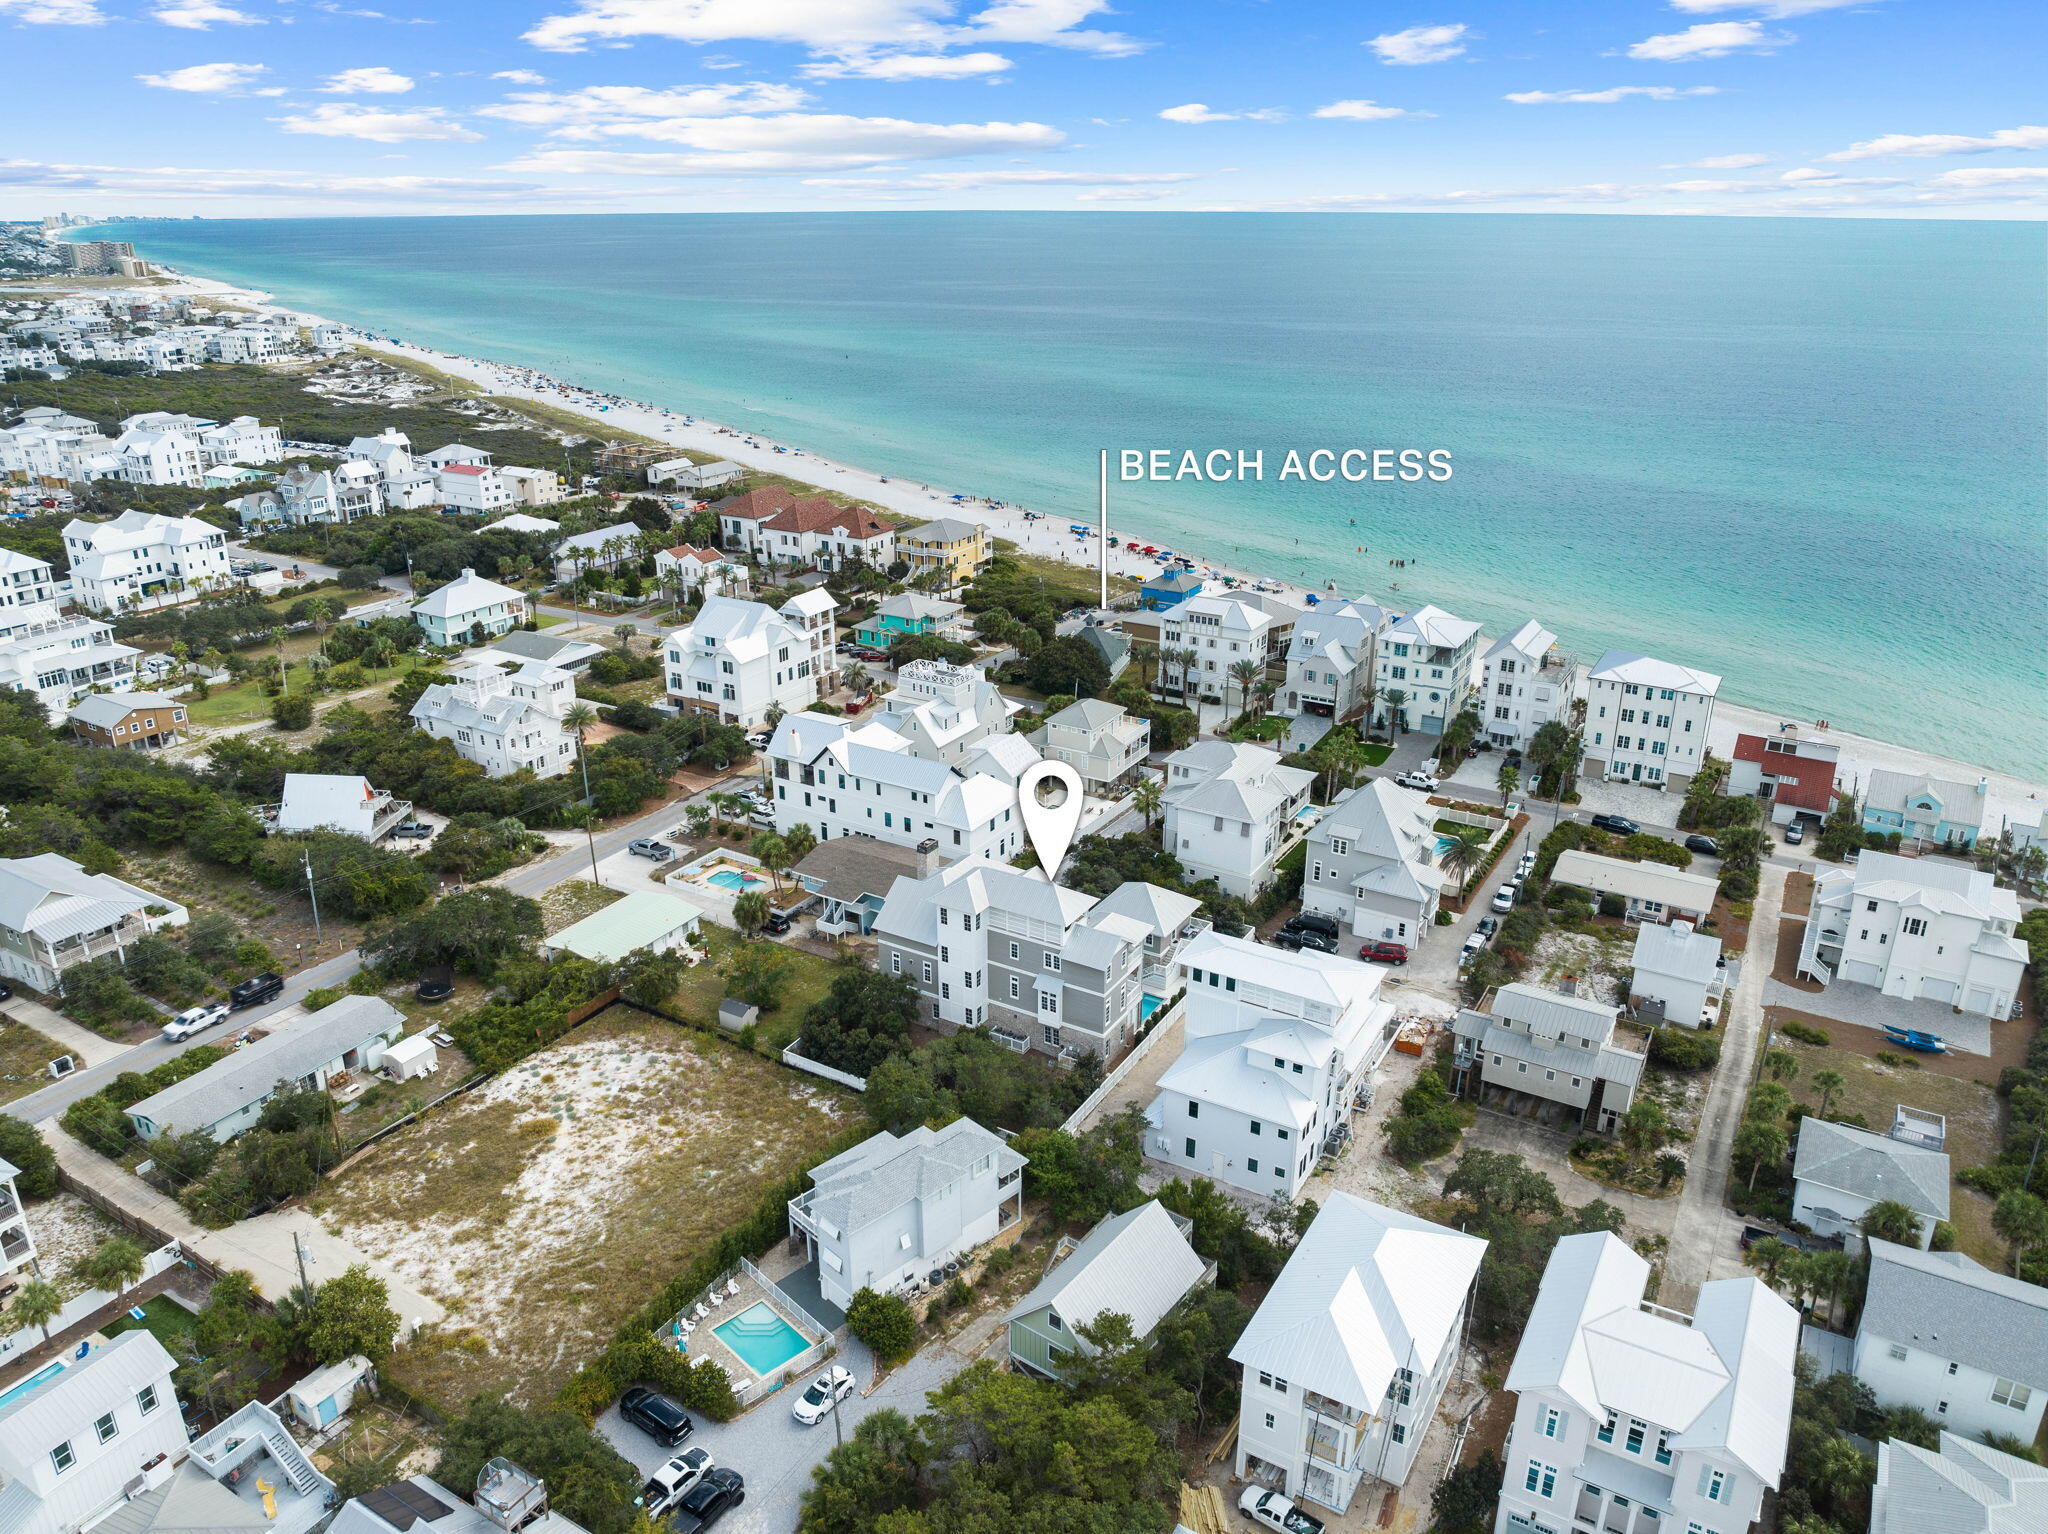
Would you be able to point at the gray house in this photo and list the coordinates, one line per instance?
(1525, 1042)
(1098, 740)
(228, 1096)
(890, 1213)
(1840, 1172)
(1372, 863)
(1138, 1264)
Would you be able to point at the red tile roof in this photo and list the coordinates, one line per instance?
(1804, 782)
(464, 468)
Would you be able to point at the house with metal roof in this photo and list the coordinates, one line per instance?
(1677, 976)
(1138, 1264)
(1840, 1172)
(1348, 1354)
(890, 1213)
(227, 1097)
(1964, 1488)
(1647, 720)
(1648, 891)
(1330, 658)
(906, 614)
(1523, 1041)
(53, 914)
(1432, 659)
(739, 659)
(1637, 1419)
(467, 608)
(338, 801)
(1099, 740)
(599, 549)
(943, 711)
(650, 921)
(77, 1434)
(1947, 1335)
(1230, 812)
(128, 721)
(1372, 863)
(542, 648)
(506, 1499)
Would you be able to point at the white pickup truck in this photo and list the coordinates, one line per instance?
(1274, 1510)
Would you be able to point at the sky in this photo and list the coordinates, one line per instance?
(240, 108)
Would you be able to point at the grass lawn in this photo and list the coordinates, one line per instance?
(23, 1054)
(1077, 585)
(545, 1206)
(1376, 753)
(1874, 1089)
(809, 978)
(244, 702)
(1265, 727)
(167, 1322)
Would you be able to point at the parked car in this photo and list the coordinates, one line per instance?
(656, 1415)
(1276, 1510)
(411, 831)
(1385, 953)
(835, 1384)
(717, 1493)
(1525, 866)
(1421, 781)
(1620, 825)
(667, 1483)
(648, 847)
(1795, 833)
(1703, 844)
(1295, 941)
(1309, 921)
(194, 1020)
(437, 984)
(6, 991)
(1474, 946)
(1487, 926)
(1504, 898)
(776, 924)
(255, 990)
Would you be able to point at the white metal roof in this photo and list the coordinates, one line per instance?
(1627, 667)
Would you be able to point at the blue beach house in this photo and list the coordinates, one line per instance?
(1936, 811)
(906, 613)
(1169, 590)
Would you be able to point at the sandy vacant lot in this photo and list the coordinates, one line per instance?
(546, 1205)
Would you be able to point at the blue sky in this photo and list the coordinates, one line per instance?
(1876, 108)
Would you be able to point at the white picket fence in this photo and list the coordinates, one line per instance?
(795, 1061)
(77, 1309)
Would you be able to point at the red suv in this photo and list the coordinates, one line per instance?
(1385, 953)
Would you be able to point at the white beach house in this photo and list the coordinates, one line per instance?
(1647, 720)
(1917, 928)
(1230, 812)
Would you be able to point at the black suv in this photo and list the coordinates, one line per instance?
(255, 990)
(709, 1500)
(656, 1415)
(1620, 825)
(1296, 938)
(1703, 844)
(1308, 921)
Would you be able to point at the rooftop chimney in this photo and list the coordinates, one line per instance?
(927, 857)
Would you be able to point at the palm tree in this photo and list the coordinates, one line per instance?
(1369, 696)
(1244, 673)
(855, 676)
(113, 1265)
(1396, 699)
(801, 841)
(1890, 1220)
(38, 1304)
(750, 911)
(699, 818)
(1186, 659)
(1147, 798)
(1507, 780)
(577, 718)
(1827, 1083)
(1461, 857)
(1780, 1064)
(2021, 1217)
(772, 852)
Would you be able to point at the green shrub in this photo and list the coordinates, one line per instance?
(1683, 1049)
(1613, 906)
(321, 996)
(885, 1324)
(1805, 1034)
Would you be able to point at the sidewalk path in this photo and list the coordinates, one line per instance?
(90, 1048)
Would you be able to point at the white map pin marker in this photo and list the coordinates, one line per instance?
(1049, 800)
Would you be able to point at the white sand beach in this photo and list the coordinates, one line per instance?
(2009, 798)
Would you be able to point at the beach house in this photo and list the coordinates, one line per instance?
(689, 571)
(1631, 1418)
(469, 610)
(1348, 1354)
(473, 489)
(1231, 812)
(602, 548)
(1098, 740)
(1431, 660)
(645, 921)
(128, 721)
(1947, 1336)
(53, 914)
(903, 616)
(1203, 639)
(1793, 773)
(505, 721)
(945, 555)
(895, 1209)
(1840, 1173)
(944, 711)
(682, 474)
(1373, 864)
(1331, 658)
(1919, 928)
(309, 1054)
(1924, 811)
(1139, 1265)
(1525, 682)
(1965, 1488)
(17, 1241)
(1647, 891)
(1647, 720)
(739, 659)
(1524, 1043)
(1275, 1046)
(338, 801)
(779, 527)
(142, 559)
(1676, 976)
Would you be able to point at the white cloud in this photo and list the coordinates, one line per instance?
(1124, 194)
(1925, 145)
(54, 13)
(181, 183)
(207, 79)
(1709, 40)
(1980, 176)
(1808, 176)
(520, 77)
(198, 15)
(1420, 45)
(1199, 112)
(375, 80)
(1723, 162)
(1611, 94)
(334, 119)
(793, 141)
(980, 180)
(908, 66)
(1777, 10)
(575, 113)
(1366, 111)
(831, 28)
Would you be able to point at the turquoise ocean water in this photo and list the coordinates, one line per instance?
(1808, 455)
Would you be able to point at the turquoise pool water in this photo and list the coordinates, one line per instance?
(32, 1381)
(763, 1340)
(1445, 843)
(1147, 1005)
(728, 879)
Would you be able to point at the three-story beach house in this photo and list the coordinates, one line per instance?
(141, 559)
(943, 711)
(1373, 864)
(506, 720)
(1431, 660)
(53, 914)
(1525, 1042)
(1231, 811)
(469, 610)
(1098, 740)
(1526, 682)
(1330, 658)
(739, 659)
(1647, 720)
(1139, 1265)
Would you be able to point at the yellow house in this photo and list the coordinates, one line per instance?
(956, 547)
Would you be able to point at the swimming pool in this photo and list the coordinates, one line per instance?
(32, 1381)
(761, 1338)
(1444, 843)
(1147, 1005)
(732, 879)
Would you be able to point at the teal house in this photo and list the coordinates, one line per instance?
(1935, 812)
(1139, 1265)
(906, 613)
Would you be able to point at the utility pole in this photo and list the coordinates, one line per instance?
(299, 1246)
(1102, 520)
(838, 1437)
(313, 894)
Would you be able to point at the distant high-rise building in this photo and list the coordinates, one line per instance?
(98, 257)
